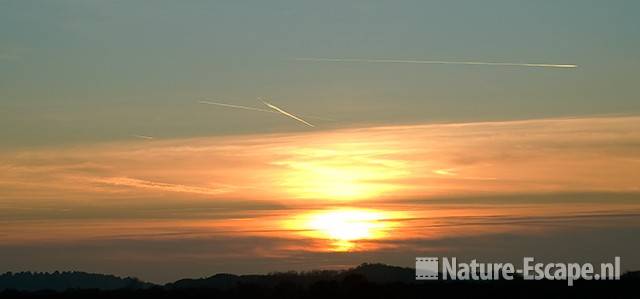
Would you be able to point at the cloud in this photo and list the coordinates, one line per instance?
(168, 257)
(144, 184)
(413, 161)
(248, 185)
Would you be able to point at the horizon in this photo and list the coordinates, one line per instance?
(364, 269)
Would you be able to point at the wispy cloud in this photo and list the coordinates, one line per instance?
(518, 64)
(413, 161)
(159, 186)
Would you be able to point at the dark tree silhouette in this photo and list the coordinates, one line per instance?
(365, 281)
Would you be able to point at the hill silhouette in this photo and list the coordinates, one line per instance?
(60, 281)
(378, 273)
(365, 281)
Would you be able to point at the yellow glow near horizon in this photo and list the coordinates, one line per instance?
(315, 180)
(340, 172)
(343, 228)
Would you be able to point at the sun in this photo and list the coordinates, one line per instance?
(343, 228)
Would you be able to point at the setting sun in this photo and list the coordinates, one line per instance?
(344, 227)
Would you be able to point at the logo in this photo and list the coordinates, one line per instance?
(427, 268)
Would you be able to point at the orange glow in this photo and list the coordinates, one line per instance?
(209, 186)
(381, 163)
(340, 171)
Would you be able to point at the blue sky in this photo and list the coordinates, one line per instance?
(87, 71)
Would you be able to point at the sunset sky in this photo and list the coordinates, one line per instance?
(109, 162)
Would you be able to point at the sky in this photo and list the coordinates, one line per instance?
(109, 162)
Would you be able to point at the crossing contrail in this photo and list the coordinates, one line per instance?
(437, 62)
(287, 113)
(272, 110)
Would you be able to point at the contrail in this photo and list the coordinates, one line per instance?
(237, 106)
(258, 109)
(143, 137)
(287, 113)
(437, 62)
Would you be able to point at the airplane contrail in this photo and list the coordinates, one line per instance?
(259, 109)
(237, 106)
(437, 62)
(143, 136)
(287, 113)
